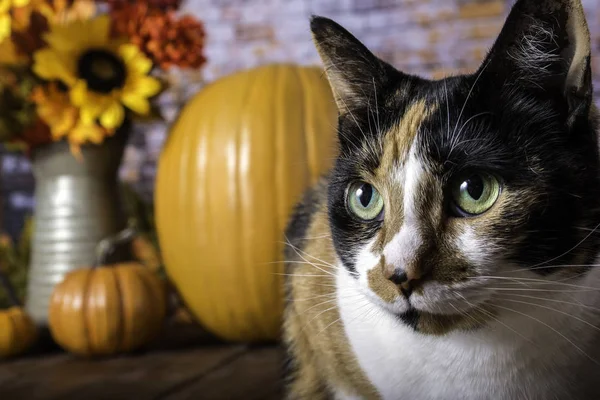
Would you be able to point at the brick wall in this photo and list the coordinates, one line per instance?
(427, 37)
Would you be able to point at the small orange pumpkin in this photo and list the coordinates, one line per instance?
(107, 309)
(17, 330)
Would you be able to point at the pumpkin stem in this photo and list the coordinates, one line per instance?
(10, 289)
(107, 245)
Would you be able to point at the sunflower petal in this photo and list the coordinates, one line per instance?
(83, 133)
(137, 63)
(49, 64)
(136, 103)
(78, 93)
(4, 26)
(20, 3)
(90, 111)
(146, 86)
(113, 116)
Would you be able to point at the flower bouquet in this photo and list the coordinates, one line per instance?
(77, 70)
(74, 76)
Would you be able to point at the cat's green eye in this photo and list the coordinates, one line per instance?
(475, 193)
(364, 201)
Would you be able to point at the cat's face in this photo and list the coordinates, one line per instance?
(447, 191)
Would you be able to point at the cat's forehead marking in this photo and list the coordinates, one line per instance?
(399, 139)
(400, 165)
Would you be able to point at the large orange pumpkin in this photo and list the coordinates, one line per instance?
(235, 163)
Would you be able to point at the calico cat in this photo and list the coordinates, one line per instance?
(451, 252)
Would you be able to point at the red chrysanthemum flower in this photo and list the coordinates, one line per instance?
(167, 40)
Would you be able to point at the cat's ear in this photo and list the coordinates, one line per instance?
(355, 74)
(545, 45)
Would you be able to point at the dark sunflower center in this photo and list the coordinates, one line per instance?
(103, 71)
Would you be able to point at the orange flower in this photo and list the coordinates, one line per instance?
(62, 119)
(29, 39)
(33, 20)
(166, 40)
(160, 4)
(55, 109)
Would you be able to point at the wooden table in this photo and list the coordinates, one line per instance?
(184, 367)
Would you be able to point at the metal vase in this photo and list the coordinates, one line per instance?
(76, 205)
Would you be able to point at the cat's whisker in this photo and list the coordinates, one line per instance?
(362, 307)
(539, 290)
(367, 141)
(315, 237)
(334, 307)
(296, 262)
(292, 262)
(303, 275)
(484, 277)
(464, 314)
(376, 107)
(582, 228)
(334, 321)
(322, 303)
(579, 275)
(312, 264)
(555, 310)
(555, 266)
(468, 97)
(568, 251)
(553, 329)
(553, 301)
(447, 108)
(534, 281)
(493, 317)
(318, 296)
(298, 250)
(456, 144)
(360, 313)
(343, 295)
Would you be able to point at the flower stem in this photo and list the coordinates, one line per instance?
(107, 245)
(9, 289)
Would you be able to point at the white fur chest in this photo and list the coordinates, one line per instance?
(494, 363)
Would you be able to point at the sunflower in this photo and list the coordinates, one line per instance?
(5, 19)
(103, 76)
(63, 119)
(55, 109)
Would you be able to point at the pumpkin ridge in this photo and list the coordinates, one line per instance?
(84, 312)
(121, 313)
(306, 132)
(241, 252)
(257, 327)
(278, 150)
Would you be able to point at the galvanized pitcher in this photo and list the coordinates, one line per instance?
(76, 206)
